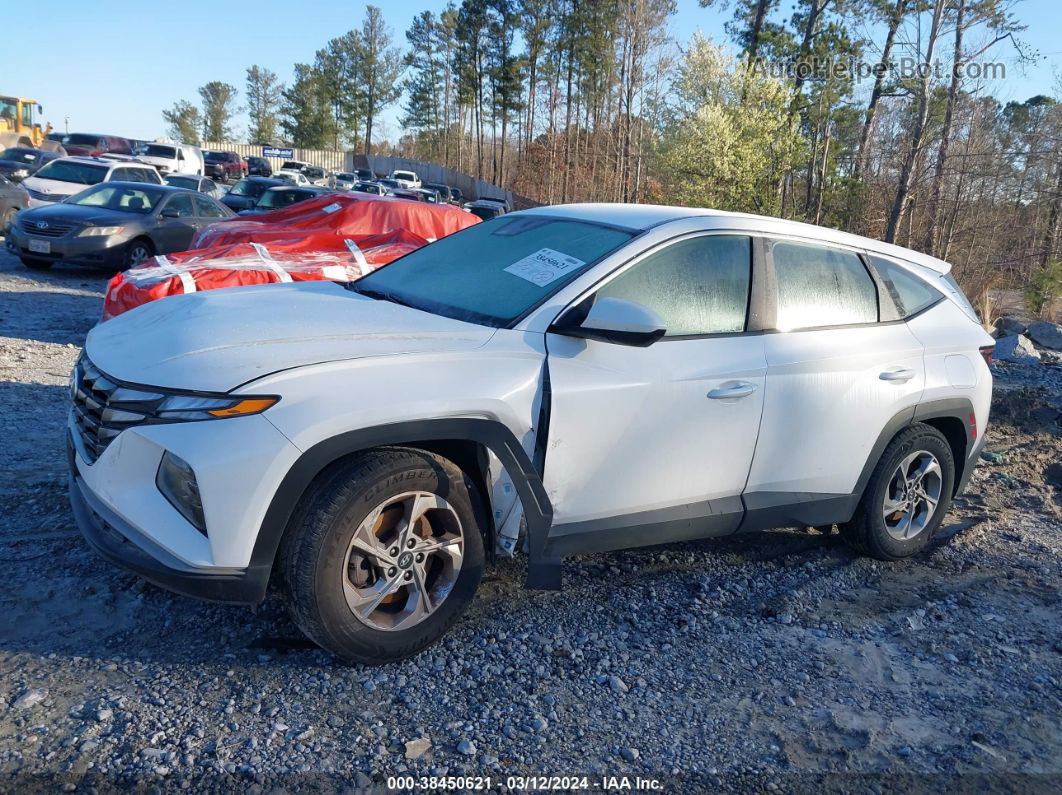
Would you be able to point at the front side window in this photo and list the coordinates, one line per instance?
(697, 286)
(207, 209)
(494, 272)
(117, 197)
(822, 286)
(182, 204)
(908, 292)
(188, 183)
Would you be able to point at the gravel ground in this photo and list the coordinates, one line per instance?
(776, 661)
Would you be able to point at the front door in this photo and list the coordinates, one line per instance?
(649, 445)
(175, 233)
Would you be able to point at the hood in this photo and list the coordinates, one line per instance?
(54, 189)
(216, 340)
(82, 151)
(89, 216)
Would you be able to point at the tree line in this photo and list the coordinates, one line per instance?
(875, 116)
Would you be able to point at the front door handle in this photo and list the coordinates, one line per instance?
(900, 375)
(737, 389)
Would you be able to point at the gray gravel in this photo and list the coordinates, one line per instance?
(776, 661)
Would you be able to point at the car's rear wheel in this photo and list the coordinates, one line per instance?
(907, 496)
(383, 554)
(137, 253)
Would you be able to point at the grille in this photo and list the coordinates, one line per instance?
(104, 408)
(54, 229)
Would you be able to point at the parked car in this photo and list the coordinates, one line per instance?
(13, 198)
(259, 167)
(20, 162)
(807, 377)
(390, 184)
(294, 177)
(443, 191)
(405, 179)
(374, 188)
(321, 177)
(245, 193)
(365, 174)
(484, 209)
(113, 225)
(410, 195)
(506, 207)
(276, 198)
(345, 180)
(294, 165)
(94, 145)
(65, 176)
(198, 184)
(173, 158)
(224, 166)
(456, 196)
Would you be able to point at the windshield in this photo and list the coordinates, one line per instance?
(214, 157)
(409, 176)
(81, 139)
(247, 187)
(191, 183)
(272, 199)
(366, 187)
(71, 171)
(22, 155)
(126, 199)
(494, 272)
(155, 150)
(292, 165)
(343, 175)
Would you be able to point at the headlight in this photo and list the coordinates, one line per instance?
(176, 480)
(20, 172)
(190, 407)
(100, 231)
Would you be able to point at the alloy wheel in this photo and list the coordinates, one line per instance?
(138, 254)
(403, 561)
(912, 496)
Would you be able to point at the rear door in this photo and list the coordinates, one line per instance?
(654, 444)
(838, 371)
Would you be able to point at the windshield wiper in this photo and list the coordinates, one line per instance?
(379, 295)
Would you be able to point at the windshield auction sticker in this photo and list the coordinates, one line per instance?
(544, 266)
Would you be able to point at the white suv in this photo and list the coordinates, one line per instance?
(62, 178)
(619, 375)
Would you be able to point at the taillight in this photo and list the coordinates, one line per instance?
(986, 353)
(973, 420)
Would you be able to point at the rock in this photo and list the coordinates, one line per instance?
(992, 458)
(630, 754)
(467, 748)
(1016, 348)
(538, 723)
(1007, 326)
(1046, 334)
(104, 715)
(617, 684)
(30, 698)
(415, 749)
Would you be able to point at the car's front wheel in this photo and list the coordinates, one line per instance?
(383, 554)
(136, 253)
(907, 496)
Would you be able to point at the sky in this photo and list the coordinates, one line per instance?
(115, 70)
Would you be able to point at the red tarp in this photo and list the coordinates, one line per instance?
(337, 237)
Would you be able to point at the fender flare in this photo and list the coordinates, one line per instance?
(538, 511)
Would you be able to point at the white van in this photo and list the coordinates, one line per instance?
(171, 158)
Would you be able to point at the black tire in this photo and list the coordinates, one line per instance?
(867, 532)
(129, 258)
(313, 552)
(37, 264)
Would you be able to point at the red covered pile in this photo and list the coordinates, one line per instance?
(337, 237)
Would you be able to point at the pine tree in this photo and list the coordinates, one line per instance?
(219, 106)
(185, 122)
(264, 94)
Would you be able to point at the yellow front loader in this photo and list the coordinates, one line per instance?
(20, 125)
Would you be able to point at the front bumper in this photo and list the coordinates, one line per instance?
(92, 251)
(112, 538)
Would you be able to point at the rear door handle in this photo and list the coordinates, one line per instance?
(738, 389)
(900, 375)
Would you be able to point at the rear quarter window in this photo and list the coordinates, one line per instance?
(910, 293)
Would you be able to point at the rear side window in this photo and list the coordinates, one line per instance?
(207, 209)
(821, 286)
(910, 294)
(698, 286)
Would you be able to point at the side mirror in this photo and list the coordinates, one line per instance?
(170, 212)
(612, 320)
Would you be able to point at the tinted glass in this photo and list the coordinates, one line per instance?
(188, 183)
(908, 292)
(158, 150)
(72, 171)
(117, 197)
(19, 155)
(820, 286)
(182, 203)
(207, 209)
(81, 139)
(493, 272)
(698, 286)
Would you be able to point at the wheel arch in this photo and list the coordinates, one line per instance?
(463, 440)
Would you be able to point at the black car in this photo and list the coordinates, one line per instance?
(277, 198)
(445, 191)
(12, 199)
(456, 196)
(365, 174)
(20, 162)
(112, 225)
(244, 195)
(258, 167)
(485, 209)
